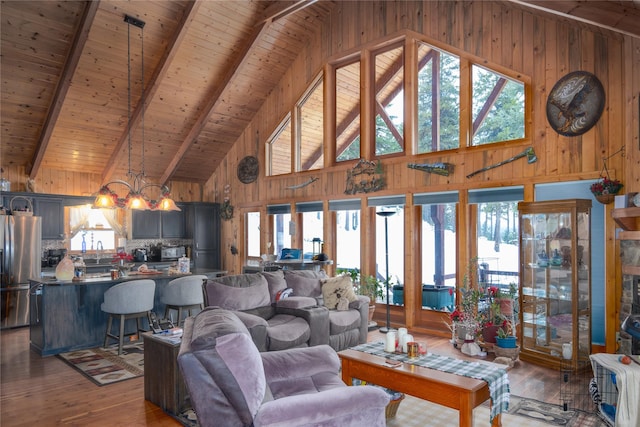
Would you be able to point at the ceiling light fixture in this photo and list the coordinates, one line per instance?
(136, 198)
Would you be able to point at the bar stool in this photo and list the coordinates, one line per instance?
(183, 293)
(128, 300)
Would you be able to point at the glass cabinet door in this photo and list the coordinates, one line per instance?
(555, 281)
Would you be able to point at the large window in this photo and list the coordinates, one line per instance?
(438, 219)
(438, 100)
(281, 225)
(253, 235)
(279, 149)
(389, 101)
(347, 228)
(347, 110)
(498, 107)
(312, 226)
(389, 239)
(310, 112)
(458, 103)
(497, 235)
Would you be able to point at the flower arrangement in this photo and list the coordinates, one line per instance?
(121, 257)
(606, 186)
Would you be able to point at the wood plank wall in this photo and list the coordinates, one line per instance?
(541, 47)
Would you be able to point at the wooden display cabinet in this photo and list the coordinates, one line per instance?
(555, 282)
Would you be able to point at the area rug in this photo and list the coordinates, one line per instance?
(104, 366)
(523, 412)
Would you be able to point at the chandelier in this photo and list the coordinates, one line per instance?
(136, 197)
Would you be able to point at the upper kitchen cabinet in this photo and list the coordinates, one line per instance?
(158, 224)
(173, 224)
(145, 224)
(51, 209)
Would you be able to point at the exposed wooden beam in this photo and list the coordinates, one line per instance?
(214, 98)
(619, 16)
(154, 84)
(80, 38)
(491, 100)
(281, 9)
(278, 11)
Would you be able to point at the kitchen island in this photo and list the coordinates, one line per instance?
(66, 315)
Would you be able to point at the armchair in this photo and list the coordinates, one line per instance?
(231, 383)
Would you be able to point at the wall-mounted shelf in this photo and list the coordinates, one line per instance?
(627, 218)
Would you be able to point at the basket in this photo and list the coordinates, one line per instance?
(511, 353)
(605, 199)
(392, 407)
(21, 213)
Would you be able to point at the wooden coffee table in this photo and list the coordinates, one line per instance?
(450, 390)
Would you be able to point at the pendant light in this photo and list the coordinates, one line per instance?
(136, 197)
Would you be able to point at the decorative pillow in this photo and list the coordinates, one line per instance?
(335, 288)
(284, 293)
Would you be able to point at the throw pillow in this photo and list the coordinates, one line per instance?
(335, 288)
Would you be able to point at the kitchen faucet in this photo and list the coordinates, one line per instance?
(99, 249)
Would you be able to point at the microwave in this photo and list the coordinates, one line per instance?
(171, 253)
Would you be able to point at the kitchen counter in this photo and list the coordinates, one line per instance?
(65, 315)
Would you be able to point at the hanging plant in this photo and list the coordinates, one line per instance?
(606, 188)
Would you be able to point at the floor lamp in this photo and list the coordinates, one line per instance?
(386, 215)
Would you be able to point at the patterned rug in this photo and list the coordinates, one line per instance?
(523, 412)
(104, 366)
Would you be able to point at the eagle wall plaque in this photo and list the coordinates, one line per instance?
(575, 103)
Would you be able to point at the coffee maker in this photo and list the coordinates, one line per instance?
(140, 255)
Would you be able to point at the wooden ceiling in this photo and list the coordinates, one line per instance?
(208, 67)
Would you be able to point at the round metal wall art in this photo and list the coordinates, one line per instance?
(575, 103)
(248, 169)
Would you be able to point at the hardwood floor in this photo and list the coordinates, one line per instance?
(46, 391)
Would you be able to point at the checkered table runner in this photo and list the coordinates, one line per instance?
(494, 376)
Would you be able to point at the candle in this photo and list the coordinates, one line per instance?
(390, 344)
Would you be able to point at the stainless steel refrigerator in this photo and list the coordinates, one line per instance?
(20, 256)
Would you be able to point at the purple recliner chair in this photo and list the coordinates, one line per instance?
(231, 383)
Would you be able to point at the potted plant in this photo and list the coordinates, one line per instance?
(505, 337)
(505, 299)
(605, 189)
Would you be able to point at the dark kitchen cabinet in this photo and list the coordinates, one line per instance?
(52, 212)
(203, 226)
(145, 224)
(158, 224)
(51, 209)
(173, 223)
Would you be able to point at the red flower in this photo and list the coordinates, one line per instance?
(606, 186)
(122, 256)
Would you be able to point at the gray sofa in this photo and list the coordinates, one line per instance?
(231, 384)
(300, 320)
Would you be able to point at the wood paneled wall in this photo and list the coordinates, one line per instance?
(541, 47)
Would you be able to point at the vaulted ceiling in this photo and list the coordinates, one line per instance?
(208, 66)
